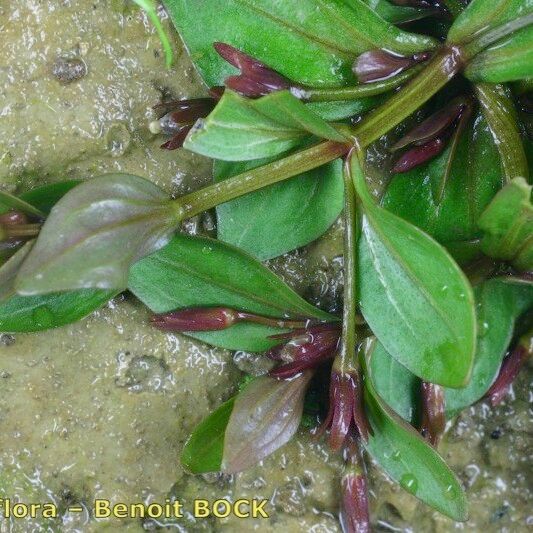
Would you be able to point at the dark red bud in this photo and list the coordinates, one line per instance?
(13, 218)
(346, 410)
(435, 125)
(216, 92)
(303, 352)
(354, 515)
(511, 366)
(255, 79)
(177, 139)
(377, 65)
(418, 156)
(433, 413)
(201, 319)
(177, 118)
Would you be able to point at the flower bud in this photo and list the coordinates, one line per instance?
(430, 136)
(346, 416)
(511, 366)
(377, 65)
(433, 413)
(255, 79)
(176, 119)
(13, 218)
(354, 515)
(306, 349)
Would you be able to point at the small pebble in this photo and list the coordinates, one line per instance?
(69, 69)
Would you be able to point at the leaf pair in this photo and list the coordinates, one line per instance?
(413, 295)
(499, 304)
(247, 428)
(241, 129)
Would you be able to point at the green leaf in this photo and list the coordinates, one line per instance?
(312, 42)
(409, 459)
(94, 233)
(481, 15)
(201, 272)
(151, 10)
(398, 387)
(344, 109)
(265, 416)
(286, 216)
(397, 14)
(500, 302)
(413, 295)
(241, 129)
(36, 313)
(8, 201)
(22, 314)
(508, 225)
(203, 450)
(44, 198)
(9, 271)
(510, 59)
(446, 196)
(500, 112)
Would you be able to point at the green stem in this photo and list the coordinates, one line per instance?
(480, 42)
(359, 91)
(500, 113)
(219, 193)
(442, 68)
(348, 341)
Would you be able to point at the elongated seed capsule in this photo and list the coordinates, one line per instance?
(201, 319)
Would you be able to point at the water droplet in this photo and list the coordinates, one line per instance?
(409, 483)
(483, 329)
(396, 456)
(118, 139)
(43, 317)
(207, 250)
(451, 493)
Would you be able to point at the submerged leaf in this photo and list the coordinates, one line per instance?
(312, 42)
(508, 225)
(399, 387)
(9, 271)
(265, 416)
(204, 449)
(415, 298)
(94, 233)
(408, 459)
(240, 129)
(500, 302)
(200, 272)
(286, 216)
